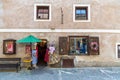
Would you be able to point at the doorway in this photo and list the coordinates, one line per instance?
(42, 46)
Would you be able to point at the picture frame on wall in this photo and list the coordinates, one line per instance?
(9, 46)
(28, 49)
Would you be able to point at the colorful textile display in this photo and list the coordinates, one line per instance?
(53, 57)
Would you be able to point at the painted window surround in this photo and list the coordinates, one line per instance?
(81, 5)
(36, 9)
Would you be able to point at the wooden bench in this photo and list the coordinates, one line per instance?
(10, 63)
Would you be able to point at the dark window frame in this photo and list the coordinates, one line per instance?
(38, 7)
(118, 51)
(87, 37)
(81, 8)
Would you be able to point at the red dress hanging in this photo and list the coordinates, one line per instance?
(46, 59)
(37, 51)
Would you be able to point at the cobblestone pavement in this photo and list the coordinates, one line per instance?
(45, 73)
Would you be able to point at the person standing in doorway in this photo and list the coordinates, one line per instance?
(34, 58)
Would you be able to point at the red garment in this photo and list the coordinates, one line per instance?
(46, 59)
(37, 51)
(10, 47)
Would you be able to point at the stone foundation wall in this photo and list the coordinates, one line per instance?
(97, 64)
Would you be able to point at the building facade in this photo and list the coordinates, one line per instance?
(68, 24)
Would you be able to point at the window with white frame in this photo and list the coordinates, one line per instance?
(118, 50)
(81, 13)
(42, 12)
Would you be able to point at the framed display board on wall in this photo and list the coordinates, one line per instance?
(9, 46)
(28, 49)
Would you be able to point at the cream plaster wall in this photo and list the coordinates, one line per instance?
(19, 14)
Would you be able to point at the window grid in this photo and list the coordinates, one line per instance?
(42, 12)
(81, 13)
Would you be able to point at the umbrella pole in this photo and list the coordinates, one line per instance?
(31, 48)
(31, 54)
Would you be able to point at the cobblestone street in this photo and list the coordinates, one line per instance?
(89, 73)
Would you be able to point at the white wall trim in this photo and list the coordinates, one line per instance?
(82, 5)
(62, 30)
(36, 9)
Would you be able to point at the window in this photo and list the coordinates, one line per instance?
(118, 50)
(42, 12)
(78, 45)
(81, 13)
